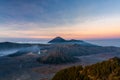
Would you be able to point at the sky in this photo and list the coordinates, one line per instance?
(44, 19)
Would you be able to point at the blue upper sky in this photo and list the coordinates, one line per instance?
(49, 18)
(52, 11)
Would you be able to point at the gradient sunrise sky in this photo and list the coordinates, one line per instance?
(80, 19)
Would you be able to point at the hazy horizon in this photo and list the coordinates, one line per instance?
(100, 42)
(48, 39)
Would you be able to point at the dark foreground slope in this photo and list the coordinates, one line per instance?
(106, 70)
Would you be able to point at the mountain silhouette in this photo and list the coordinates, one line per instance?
(57, 40)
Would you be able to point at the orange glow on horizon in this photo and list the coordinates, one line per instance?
(78, 36)
(106, 27)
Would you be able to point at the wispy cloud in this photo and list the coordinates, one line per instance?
(101, 26)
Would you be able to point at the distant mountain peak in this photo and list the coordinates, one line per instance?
(57, 39)
(71, 41)
(62, 40)
(74, 40)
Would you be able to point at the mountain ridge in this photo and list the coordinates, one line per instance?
(61, 40)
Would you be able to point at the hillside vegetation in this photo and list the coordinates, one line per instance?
(106, 70)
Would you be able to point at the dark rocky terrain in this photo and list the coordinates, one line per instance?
(65, 53)
(27, 68)
(42, 61)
